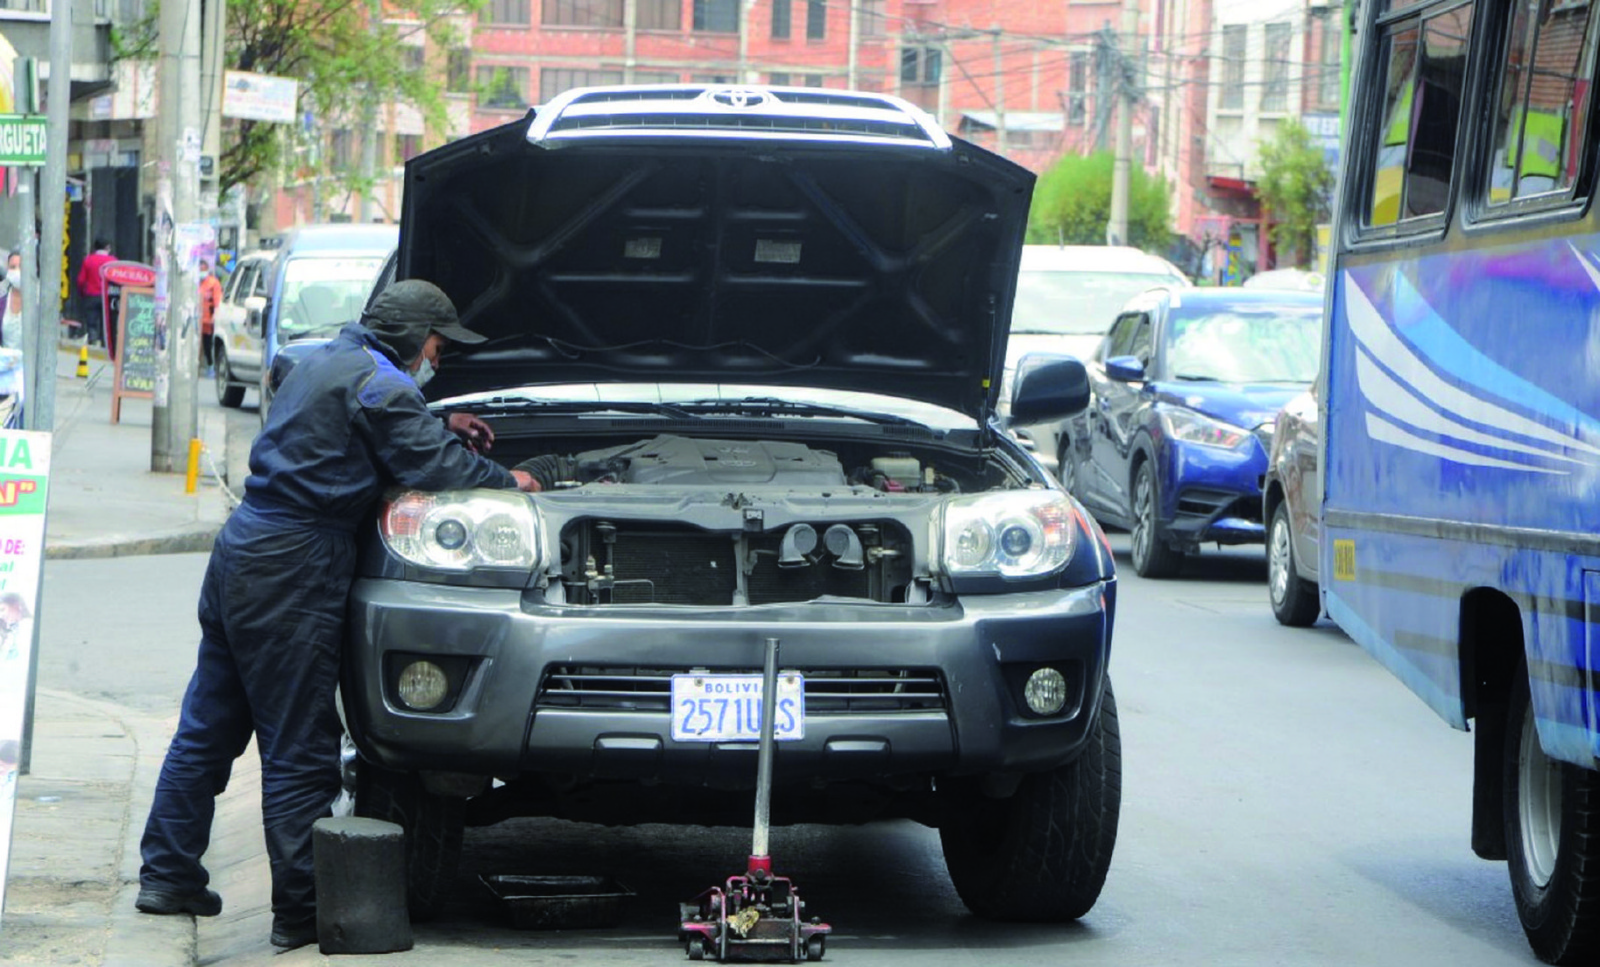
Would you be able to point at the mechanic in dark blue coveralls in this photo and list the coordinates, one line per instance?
(349, 422)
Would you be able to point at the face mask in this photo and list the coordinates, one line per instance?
(423, 372)
(13, 278)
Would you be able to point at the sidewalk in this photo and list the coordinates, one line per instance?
(74, 857)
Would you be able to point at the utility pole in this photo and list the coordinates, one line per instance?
(1117, 226)
(853, 40)
(24, 83)
(999, 96)
(369, 131)
(52, 215)
(630, 39)
(214, 27)
(174, 419)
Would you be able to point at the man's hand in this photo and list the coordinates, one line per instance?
(526, 481)
(475, 433)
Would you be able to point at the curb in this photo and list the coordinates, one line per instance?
(188, 541)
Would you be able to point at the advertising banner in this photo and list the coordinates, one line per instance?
(24, 479)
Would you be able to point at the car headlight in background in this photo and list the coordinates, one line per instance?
(1191, 427)
(1012, 534)
(459, 530)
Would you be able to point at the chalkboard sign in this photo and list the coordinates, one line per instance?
(136, 342)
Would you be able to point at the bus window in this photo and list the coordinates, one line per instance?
(1543, 101)
(1425, 60)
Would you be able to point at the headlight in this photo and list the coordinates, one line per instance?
(1012, 534)
(1191, 427)
(459, 530)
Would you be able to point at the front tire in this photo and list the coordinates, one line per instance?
(1294, 599)
(1552, 816)
(1041, 854)
(1153, 557)
(434, 826)
(229, 393)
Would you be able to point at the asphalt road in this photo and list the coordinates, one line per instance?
(1285, 802)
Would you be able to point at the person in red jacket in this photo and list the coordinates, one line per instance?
(91, 289)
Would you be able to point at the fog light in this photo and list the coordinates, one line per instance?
(423, 685)
(1046, 691)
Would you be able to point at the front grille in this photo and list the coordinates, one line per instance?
(773, 123)
(829, 691)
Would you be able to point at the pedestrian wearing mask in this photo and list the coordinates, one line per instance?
(11, 321)
(348, 422)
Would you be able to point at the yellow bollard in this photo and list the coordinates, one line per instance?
(194, 467)
(83, 361)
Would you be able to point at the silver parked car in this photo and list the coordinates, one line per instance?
(751, 342)
(1289, 507)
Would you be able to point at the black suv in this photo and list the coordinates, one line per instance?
(751, 340)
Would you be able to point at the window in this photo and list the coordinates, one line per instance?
(872, 18)
(1328, 68)
(711, 79)
(1543, 102)
(816, 19)
(659, 15)
(559, 80)
(811, 80)
(509, 12)
(781, 17)
(778, 79)
(716, 16)
(412, 58)
(655, 77)
(407, 146)
(32, 6)
(457, 70)
(1077, 87)
(1233, 54)
(920, 65)
(1275, 70)
(583, 13)
(1422, 60)
(503, 88)
(341, 148)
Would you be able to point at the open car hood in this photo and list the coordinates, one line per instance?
(841, 264)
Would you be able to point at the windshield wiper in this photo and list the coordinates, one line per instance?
(1194, 378)
(579, 406)
(772, 406)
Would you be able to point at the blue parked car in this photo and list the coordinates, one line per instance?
(1173, 446)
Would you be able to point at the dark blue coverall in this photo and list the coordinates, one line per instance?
(347, 424)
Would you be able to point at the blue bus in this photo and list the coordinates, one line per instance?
(1460, 388)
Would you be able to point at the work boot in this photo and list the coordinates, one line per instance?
(292, 934)
(206, 903)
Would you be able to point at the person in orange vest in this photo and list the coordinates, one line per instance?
(210, 298)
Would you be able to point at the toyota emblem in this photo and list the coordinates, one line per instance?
(740, 97)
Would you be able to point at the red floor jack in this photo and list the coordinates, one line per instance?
(756, 916)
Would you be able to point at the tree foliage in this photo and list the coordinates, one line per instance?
(1072, 203)
(338, 55)
(1294, 187)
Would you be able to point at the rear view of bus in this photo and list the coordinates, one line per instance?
(1461, 422)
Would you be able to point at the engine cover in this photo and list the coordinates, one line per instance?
(677, 460)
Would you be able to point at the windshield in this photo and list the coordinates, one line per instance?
(1076, 303)
(1272, 344)
(322, 294)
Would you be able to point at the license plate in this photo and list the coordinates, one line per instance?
(727, 708)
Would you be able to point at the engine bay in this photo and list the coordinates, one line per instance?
(759, 522)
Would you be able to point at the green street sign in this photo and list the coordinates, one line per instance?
(22, 139)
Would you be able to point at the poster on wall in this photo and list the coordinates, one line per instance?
(24, 479)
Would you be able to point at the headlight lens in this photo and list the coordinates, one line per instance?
(1012, 534)
(459, 530)
(1191, 427)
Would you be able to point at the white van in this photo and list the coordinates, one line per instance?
(1067, 298)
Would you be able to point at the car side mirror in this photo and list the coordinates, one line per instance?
(1125, 369)
(1049, 390)
(255, 310)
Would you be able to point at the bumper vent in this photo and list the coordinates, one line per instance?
(829, 691)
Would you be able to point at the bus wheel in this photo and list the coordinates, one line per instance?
(1552, 815)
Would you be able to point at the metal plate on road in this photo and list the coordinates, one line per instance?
(727, 708)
